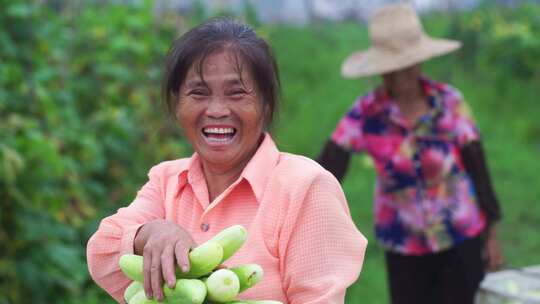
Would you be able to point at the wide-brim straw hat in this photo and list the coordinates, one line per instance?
(398, 41)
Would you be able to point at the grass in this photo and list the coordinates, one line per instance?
(315, 97)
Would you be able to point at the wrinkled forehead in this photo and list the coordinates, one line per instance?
(228, 64)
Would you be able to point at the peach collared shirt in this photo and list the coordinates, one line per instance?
(299, 226)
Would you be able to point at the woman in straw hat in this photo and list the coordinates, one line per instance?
(435, 210)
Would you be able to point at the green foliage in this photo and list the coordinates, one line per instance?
(250, 13)
(81, 123)
(502, 46)
(505, 37)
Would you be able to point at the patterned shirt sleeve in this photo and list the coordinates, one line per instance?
(348, 133)
(465, 125)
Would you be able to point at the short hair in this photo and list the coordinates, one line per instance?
(215, 35)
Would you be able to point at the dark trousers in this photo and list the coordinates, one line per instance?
(448, 277)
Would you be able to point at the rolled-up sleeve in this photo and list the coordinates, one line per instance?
(116, 234)
(322, 249)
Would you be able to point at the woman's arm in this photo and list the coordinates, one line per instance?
(475, 164)
(334, 159)
(320, 248)
(116, 233)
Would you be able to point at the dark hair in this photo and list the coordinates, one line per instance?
(215, 35)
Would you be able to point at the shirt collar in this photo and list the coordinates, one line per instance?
(384, 102)
(259, 168)
(256, 172)
(434, 95)
(191, 173)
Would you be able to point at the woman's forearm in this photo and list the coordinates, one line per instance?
(476, 166)
(334, 159)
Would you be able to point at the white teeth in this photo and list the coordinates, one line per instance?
(219, 130)
(218, 139)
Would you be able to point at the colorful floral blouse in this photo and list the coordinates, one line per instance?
(424, 200)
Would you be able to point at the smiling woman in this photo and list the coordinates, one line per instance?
(222, 117)
(222, 85)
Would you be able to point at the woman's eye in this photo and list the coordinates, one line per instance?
(198, 93)
(237, 93)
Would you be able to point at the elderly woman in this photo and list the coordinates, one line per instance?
(222, 85)
(433, 199)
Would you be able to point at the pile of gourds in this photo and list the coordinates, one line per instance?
(203, 283)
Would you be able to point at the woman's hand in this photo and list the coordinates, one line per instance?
(493, 251)
(162, 243)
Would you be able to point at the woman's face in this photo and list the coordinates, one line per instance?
(223, 115)
(404, 79)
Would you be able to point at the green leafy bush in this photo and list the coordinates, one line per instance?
(504, 37)
(501, 45)
(81, 124)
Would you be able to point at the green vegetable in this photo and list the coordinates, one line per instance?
(533, 294)
(222, 286)
(132, 289)
(248, 275)
(186, 291)
(231, 239)
(140, 298)
(203, 259)
(132, 266)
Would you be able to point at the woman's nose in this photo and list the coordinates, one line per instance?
(217, 108)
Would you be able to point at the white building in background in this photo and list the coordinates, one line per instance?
(362, 9)
(302, 11)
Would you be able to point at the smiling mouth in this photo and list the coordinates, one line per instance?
(219, 135)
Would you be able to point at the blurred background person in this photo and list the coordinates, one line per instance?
(435, 210)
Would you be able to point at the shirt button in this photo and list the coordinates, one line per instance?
(205, 227)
